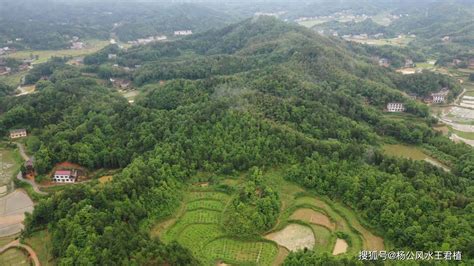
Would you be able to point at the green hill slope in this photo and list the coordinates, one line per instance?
(260, 93)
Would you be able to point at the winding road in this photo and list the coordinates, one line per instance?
(16, 244)
(19, 176)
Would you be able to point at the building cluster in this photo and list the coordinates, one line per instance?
(77, 45)
(342, 15)
(144, 41)
(269, 14)
(438, 97)
(4, 70)
(183, 32)
(463, 63)
(6, 50)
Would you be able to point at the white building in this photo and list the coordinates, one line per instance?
(18, 133)
(65, 176)
(183, 32)
(112, 56)
(384, 62)
(440, 97)
(395, 107)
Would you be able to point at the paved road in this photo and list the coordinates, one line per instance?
(19, 176)
(17, 244)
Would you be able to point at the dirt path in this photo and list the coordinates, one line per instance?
(19, 176)
(17, 244)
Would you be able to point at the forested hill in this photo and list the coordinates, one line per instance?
(260, 93)
(32, 24)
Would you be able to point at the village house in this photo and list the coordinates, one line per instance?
(65, 176)
(409, 63)
(112, 56)
(183, 32)
(77, 61)
(440, 97)
(395, 107)
(5, 70)
(384, 62)
(121, 83)
(18, 133)
(456, 62)
(445, 38)
(77, 45)
(470, 63)
(378, 35)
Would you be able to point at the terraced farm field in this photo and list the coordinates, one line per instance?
(198, 228)
(14, 257)
(305, 221)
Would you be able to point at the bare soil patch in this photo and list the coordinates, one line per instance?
(340, 247)
(313, 217)
(282, 254)
(12, 209)
(294, 237)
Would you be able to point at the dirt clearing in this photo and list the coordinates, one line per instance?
(340, 247)
(294, 237)
(12, 209)
(313, 217)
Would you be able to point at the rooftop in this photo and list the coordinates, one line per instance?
(62, 172)
(18, 130)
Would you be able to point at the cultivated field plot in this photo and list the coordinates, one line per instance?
(14, 257)
(324, 218)
(305, 222)
(313, 217)
(12, 212)
(403, 41)
(8, 167)
(198, 228)
(240, 252)
(205, 204)
(412, 152)
(92, 46)
(342, 224)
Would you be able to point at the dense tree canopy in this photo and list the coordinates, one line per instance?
(307, 103)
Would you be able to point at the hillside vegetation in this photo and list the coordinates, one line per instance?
(260, 93)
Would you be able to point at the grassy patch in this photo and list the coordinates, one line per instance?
(7, 239)
(462, 134)
(40, 242)
(403, 41)
(323, 239)
(14, 257)
(14, 79)
(242, 252)
(92, 46)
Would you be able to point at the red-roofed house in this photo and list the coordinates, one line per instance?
(65, 176)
